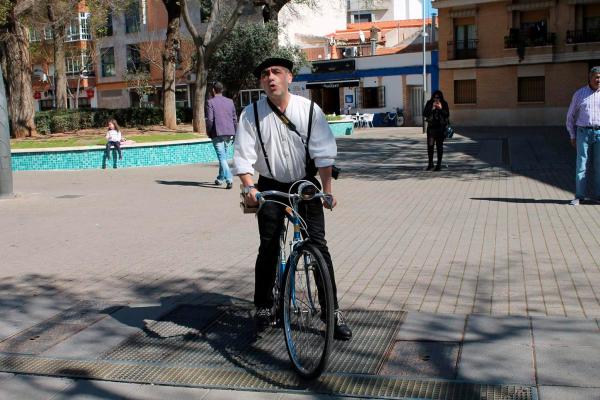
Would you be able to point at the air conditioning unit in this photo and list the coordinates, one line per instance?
(350, 52)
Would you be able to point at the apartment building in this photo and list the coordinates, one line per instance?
(78, 50)
(383, 10)
(373, 66)
(132, 46)
(515, 62)
(107, 67)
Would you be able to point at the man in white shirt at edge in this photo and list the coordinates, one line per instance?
(583, 124)
(286, 164)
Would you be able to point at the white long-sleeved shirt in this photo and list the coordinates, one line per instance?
(285, 150)
(112, 135)
(584, 110)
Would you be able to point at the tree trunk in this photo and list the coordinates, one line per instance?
(271, 9)
(18, 78)
(172, 43)
(60, 68)
(76, 102)
(200, 93)
(6, 178)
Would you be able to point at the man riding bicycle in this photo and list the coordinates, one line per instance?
(276, 150)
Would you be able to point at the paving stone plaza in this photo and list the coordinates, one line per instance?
(477, 278)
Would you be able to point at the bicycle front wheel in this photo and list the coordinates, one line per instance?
(308, 311)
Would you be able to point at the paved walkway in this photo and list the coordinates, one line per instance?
(498, 275)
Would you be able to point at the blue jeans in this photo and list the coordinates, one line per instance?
(222, 144)
(587, 140)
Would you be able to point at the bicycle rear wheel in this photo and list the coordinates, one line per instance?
(308, 311)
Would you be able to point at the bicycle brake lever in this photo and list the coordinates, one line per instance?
(261, 201)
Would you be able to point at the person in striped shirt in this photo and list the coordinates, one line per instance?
(583, 124)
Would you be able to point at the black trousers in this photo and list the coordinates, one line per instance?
(117, 145)
(270, 225)
(437, 136)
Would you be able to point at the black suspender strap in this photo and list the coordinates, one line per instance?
(287, 123)
(310, 115)
(262, 145)
(291, 125)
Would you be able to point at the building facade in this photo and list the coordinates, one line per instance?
(383, 10)
(366, 56)
(111, 67)
(79, 48)
(370, 84)
(515, 62)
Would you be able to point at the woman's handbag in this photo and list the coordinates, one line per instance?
(449, 130)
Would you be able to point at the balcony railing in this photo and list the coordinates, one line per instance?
(517, 40)
(583, 36)
(462, 49)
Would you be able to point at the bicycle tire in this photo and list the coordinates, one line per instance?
(307, 323)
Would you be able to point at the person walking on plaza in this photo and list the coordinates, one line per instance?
(583, 124)
(221, 124)
(437, 115)
(278, 154)
(113, 137)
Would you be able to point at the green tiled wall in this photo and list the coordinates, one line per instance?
(141, 156)
(136, 156)
(342, 128)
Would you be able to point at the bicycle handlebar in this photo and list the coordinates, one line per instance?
(260, 196)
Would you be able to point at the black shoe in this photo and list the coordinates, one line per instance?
(429, 167)
(438, 168)
(263, 318)
(341, 331)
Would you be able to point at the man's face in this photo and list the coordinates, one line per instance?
(595, 80)
(275, 80)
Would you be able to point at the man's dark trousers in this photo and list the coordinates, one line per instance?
(270, 225)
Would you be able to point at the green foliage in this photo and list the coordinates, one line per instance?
(5, 6)
(55, 121)
(205, 9)
(243, 49)
(333, 117)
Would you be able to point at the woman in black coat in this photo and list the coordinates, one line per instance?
(437, 115)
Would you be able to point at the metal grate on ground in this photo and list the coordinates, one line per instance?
(215, 347)
(60, 327)
(225, 338)
(367, 386)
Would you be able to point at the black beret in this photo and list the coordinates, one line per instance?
(272, 61)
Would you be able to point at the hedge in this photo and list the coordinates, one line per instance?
(55, 121)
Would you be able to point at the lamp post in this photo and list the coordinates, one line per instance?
(424, 35)
(6, 181)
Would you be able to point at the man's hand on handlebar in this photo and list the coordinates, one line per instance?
(329, 201)
(251, 200)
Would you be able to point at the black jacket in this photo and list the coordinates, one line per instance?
(437, 119)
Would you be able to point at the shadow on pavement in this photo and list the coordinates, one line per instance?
(540, 153)
(521, 200)
(208, 185)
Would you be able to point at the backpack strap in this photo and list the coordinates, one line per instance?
(262, 145)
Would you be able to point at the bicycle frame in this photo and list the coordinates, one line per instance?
(296, 287)
(293, 217)
(291, 214)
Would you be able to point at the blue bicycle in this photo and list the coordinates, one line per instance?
(302, 291)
